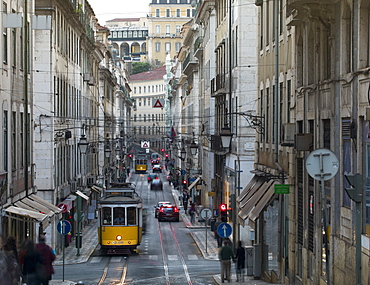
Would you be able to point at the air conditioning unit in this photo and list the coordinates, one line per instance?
(288, 134)
(73, 186)
(87, 76)
(91, 81)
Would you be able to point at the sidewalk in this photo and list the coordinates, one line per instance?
(207, 244)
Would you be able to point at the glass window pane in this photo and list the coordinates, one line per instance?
(119, 216)
(107, 216)
(131, 216)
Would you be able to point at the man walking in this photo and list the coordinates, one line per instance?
(48, 257)
(226, 255)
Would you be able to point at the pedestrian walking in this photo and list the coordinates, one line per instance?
(14, 270)
(192, 212)
(185, 200)
(240, 262)
(48, 257)
(217, 236)
(226, 255)
(31, 263)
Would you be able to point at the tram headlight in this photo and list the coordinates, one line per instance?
(118, 237)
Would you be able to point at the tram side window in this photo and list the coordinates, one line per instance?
(107, 216)
(131, 216)
(119, 216)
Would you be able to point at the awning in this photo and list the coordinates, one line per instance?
(194, 183)
(82, 195)
(256, 193)
(97, 189)
(35, 216)
(254, 184)
(254, 214)
(35, 203)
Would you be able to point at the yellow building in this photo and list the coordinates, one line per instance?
(165, 21)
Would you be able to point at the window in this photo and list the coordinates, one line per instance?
(107, 216)
(14, 137)
(144, 89)
(157, 12)
(118, 216)
(134, 90)
(131, 216)
(177, 46)
(168, 47)
(168, 29)
(157, 47)
(168, 13)
(139, 102)
(157, 29)
(178, 29)
(5, 38)
(188, 13)
(5, 139)
(178, 13)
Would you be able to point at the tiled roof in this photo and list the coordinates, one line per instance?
(124, 20)
(149, 75)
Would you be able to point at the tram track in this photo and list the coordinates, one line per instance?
(105, 279)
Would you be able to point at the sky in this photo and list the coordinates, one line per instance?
(109, 9)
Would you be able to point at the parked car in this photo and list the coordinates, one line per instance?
(156, 184)
(152, 176)
(157, 168)
(158, 206)
(169, 212)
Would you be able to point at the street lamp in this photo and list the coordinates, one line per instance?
(83, 144)
(226, 136)
(107, 151)
(183, 154)
(193, 148)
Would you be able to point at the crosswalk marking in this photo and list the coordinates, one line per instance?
(173, 257)
(153, 257)
(116, 259)
(96, 259)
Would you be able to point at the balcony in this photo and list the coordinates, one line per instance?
(300, 8)
(202, 9)
(198, 47)
(218, 85)
(188, 63)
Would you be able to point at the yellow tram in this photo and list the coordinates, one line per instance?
(120, 226)
(141, 164)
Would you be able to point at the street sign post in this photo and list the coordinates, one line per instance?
(322, 164)
(206, 214)
(64, 227)
(224, 230)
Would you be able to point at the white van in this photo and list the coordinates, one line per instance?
(155, 156)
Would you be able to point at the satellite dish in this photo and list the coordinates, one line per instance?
(322, 164)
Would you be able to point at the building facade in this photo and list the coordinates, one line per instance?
(148, 94)
(165, 20)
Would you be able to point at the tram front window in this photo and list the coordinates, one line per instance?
(119, 216)
(107, 216)
(131, 216)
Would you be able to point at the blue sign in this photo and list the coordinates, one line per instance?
(224, 230)
(64, 227)
(183, 172)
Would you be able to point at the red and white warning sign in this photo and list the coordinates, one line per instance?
(158, 103)
(145, 144)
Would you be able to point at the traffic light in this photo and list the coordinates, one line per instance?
(355, 191)
(223, 210)
(130, 155)
(184, 182)
(166, 155)
(162, 149)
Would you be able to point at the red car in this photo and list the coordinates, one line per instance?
(169, 212)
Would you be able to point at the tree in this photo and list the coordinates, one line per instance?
(138, 67)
